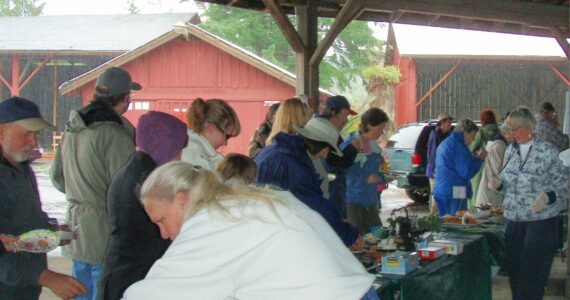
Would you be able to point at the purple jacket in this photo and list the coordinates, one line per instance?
(435, 138)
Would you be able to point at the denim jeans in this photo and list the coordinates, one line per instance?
(88, 275)
(530, 251)
(370, 295)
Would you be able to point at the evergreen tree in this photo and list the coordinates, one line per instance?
(20, 8)
(258, 33)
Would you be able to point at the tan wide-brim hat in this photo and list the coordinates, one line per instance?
(34, 124)
(322, 130)
(443, 116)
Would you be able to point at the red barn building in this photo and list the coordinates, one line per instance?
(187, 63)
(461, 72)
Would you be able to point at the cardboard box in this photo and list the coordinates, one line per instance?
(400, 263)
(451, 247)
(431, 253)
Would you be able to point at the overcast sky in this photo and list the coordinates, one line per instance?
(110, 7)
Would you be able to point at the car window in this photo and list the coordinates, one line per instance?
(421, 145)
(406, 136)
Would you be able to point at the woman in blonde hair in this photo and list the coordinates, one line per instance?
(292, 112)
(211, 123)
(241, 242)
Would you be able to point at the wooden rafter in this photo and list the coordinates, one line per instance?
(530, 17)
(35, 71)
(349, 12)
(285, 25)
(435, 86)
(559, 74)
(545, 16)
(561, 41)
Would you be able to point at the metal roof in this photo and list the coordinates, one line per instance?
(92, 33)
(425, 41)
(186, 30)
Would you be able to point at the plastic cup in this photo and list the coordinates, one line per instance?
(65, 233)
(53, 224)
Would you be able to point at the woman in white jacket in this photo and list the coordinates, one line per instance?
(211, 123)
(241, 242)
(496, 150)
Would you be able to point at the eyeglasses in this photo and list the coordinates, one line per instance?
(226, 135)
(515, 129)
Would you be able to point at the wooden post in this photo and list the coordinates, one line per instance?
(307, 76)
(15, 85)
(54, 97)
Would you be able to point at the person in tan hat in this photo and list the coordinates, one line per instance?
(22, 274)
(97, 141)
(440, 133)
(286, 163)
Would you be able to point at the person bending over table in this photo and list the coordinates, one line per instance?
(241, 242)
(455, 167)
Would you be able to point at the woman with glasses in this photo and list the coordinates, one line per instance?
(211, 123)
(535, 184)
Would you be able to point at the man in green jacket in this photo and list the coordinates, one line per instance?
(96, 142)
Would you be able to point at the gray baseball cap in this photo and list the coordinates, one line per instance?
(117, 82)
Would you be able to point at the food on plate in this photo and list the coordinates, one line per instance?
(451, 219)
(460, 213)
(469, 218)
(38, 241)
(497, 211)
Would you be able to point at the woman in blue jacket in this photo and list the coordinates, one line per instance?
(286, 163)
(455, 167)
(363, 176)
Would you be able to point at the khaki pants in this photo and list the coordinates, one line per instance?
(363, 217)
(432, 205)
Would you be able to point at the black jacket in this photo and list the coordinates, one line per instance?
(135, 242)
(20, 212)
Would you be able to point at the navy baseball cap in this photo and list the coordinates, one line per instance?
(24, 112)
(339, 102)
(117, 82)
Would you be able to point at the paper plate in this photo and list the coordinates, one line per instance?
(38, 241)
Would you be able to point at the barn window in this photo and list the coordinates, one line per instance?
(142, 105)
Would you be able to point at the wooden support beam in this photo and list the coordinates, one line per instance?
(285, 25)
(528, 13)
(54, 98)
(349, 12)
(433, 19)
(562, 41)
(15, 85)
(5, 82)
(395, 16)
(435, 86)
(307, 76)
(559, 74)
(34, 72)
